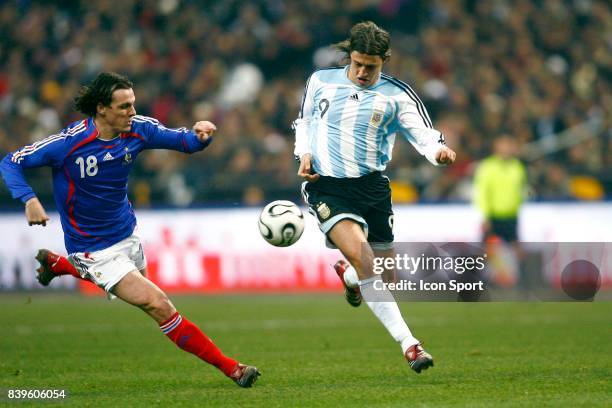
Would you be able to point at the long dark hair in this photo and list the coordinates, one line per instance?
(100, 90)
(367, 38)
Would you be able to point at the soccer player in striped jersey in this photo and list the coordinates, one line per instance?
(91, 160)
(344, 138)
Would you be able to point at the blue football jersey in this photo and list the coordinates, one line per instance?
(90, 176)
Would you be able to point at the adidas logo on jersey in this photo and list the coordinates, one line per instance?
(354, 97)
(108, 156)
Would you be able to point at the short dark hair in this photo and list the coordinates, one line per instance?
(367, 38)
(100, 90)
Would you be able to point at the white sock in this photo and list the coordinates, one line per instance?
(350, 277)
(389, 314)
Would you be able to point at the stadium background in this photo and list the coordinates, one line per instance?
(538, 71)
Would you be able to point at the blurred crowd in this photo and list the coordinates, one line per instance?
(536, 70)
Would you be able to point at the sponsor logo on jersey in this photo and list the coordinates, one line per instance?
(354, 97)
(323, 210)
(108, 157)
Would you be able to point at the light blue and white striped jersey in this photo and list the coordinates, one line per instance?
(350, 130)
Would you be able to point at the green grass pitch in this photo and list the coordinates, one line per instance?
(313, 350)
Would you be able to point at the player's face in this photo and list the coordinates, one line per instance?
(364, 69)
(118, 115)
(505, 147)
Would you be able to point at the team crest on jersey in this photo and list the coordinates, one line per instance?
(127, 159)
(323, 211)
(377, 117)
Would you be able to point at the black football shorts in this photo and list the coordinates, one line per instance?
(504, 228)
(365, 199)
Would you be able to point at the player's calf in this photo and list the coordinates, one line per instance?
(190, 338)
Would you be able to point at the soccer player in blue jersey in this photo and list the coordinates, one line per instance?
(344, 138)
(91, 160)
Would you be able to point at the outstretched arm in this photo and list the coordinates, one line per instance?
(414, 123)
(46, 152)
(157, 136)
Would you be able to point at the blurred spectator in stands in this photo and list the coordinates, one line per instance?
(530, 69)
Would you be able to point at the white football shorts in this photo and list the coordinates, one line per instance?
(108, 266)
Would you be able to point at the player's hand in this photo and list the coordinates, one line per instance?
(446, 156)
(35, 213)
(204, 130)
(306, 170)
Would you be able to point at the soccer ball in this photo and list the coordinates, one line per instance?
(281, 223)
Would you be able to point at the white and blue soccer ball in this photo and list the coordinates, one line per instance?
(281, 223)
